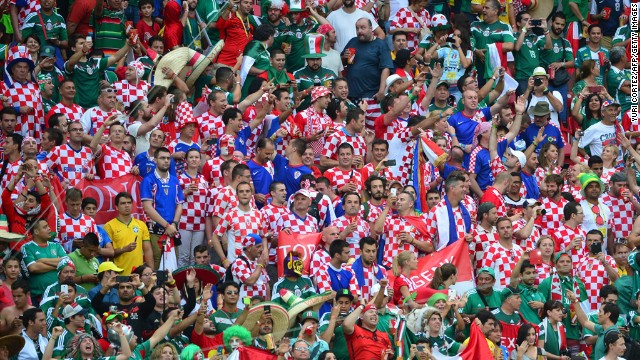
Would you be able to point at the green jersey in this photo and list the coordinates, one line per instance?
(224, 320)
(31, 253)
(512, 319)
(622, 34)
(209, 14)
(45, 27)
(142, 351)
(191, 34)
(615, 80)
(585, 53)
(63, 342)
(583, 6)
(634, 325)
(255, 56)
(295, 37)
(599, 349)
(340, 347)
(302, 288)
(86, 76)
(573, 330)
(280, 34)
(530, 293)
(475, 302)
(109, 31)
(434, 107)
(528, 57)
(306, 78)
(551, 337)
(444, 344)
(555, 53)
(484, 34)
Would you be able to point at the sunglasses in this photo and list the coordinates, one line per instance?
(595, 209)
(108, 90)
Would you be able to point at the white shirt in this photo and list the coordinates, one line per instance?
(28, 352)
(332, 61)
(598, 136)
(345, 25)
(589, 222)
(554, 114)
(142, 141)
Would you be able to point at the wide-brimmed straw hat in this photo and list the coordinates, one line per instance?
(297, 305)
(279, 316)
(14, 343)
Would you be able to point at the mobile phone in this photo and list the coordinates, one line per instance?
(580, 132)
(452, 294)
(212, 141)
(267, 309)
(536, 22)
(391, 162)
(596, 248)
(594, 89)
(393, 192)
(420, 348)
(161, 276)
(565, 166)
(64, 288)
(123, 279)
(246, 300)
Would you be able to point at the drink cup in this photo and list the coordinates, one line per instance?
(352, 51)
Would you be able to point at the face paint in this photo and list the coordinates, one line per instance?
(235, 342)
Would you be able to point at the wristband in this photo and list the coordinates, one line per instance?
(260, 265)
(141, 286)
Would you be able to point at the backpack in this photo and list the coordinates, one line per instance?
(314, 208)
(228, 275)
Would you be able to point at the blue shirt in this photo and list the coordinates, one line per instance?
(261, 178)
(364, 74)
(165, 196)
(147, 165)
(531, 184)
(465, 126)
(289, 174)
(482, 169)
(241, 141)
(552, 134)
(184, 147)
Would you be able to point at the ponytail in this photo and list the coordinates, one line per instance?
(437, 279)
(399, 262)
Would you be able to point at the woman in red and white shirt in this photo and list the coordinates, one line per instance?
(195, 189)
(403, 286)
(412, 20)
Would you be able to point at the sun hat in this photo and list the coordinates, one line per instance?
(296, 305)
(318, 92)
(313, 45)
(541, 109)
(73, 309)
(437, 297)
(279, 316)
(179, 58)
(539, 71)
(5, 235)
(391, 79)
(204, 274)
(588, 178)
(14, 344)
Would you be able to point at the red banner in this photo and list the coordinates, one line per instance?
(105, 191)
(457, 254)
(305, 245)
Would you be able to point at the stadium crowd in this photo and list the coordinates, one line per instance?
(327, 179)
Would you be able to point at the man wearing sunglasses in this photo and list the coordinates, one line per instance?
(226, 315)
(597, 215)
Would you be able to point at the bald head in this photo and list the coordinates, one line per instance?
(329, 234)
(364, 30)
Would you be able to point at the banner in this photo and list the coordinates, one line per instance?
(305, 245)
(105, 191)
(457, 254)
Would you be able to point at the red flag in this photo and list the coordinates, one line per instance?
(251, 353)
(105, 191)
(457, 254)
(477, 348)
(303, 244)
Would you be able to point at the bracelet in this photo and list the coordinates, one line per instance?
(453, 135)
(141, 286)
(520, 114)
(260, 265)
(493, 78)
(535, 143)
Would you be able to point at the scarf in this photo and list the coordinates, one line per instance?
(452, 223)
(557, 293)
(358, 270)
(562, 333)
(279, 77)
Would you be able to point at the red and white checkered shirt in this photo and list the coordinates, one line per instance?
(211, 171)
(544, 271)
(405, 19)
(502, 261)
(70, 228)
(374, 211)
(497, 167)
(574, 191)
(353, 239)
(314, 122)
(393, 226)
(270, 215)
(27, 94)
(529, 243)
(432, 224)
(210, 126)
(323, 280)
(293, 132)
(113, 163)
(405, 166)
(71, 164)
(195, 204)
(223, 201)
(562, 237)
(340, 178)
(242, 271)
(12, 170)
(237, 224)
(126, 92)
(390, 131)
(594, 275)
(554, 216)
(320, 257)
(292, 222)
(340, 137)
(623, 210)
(369, 273)
(541, 173)
(73, 113)
(93, 118)
(482, 238)
(368, 170)
(24, 11)
(471, 206)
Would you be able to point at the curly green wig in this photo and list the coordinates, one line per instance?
(189, 352)
(237, 331)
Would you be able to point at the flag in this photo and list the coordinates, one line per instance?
(251, 353)
(457, 254)
(303, 244)
(477, 348)
(436, 156)
(105, 191)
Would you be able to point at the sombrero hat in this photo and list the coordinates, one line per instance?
(5, 235)
(203, 273)
(279, 316)
(182, 57)
(14, 343)
(297, 305)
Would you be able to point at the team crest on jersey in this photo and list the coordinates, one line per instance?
(136, 229)
(90, 70)
(486, 33)
(297, 174)
(49, 26)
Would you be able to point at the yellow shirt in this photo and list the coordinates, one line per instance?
(504, 16)
(121, 235)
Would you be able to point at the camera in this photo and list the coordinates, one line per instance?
(536, 22)
(450, 39)
(537, 82)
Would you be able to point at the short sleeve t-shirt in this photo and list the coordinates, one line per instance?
(31, 253)
(370, 344)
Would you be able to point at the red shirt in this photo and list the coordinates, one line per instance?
(145, 31)
(207, 342)
(366, 345)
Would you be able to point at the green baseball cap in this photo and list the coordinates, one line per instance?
(487, 270)
(310, 315)
(509, 291)
(48, 51)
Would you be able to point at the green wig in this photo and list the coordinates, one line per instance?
(189, 352)
(239, 332)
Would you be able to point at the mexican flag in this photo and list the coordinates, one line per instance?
(251, 353)
(477, 348)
